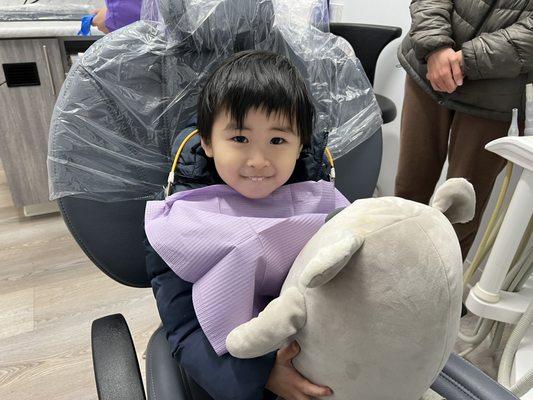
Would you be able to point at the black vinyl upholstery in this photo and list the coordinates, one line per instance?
(388, 108)
(111, 235)
(358, 170)
(460, 380)
(165, 379)
(115, 363)
(367, 41)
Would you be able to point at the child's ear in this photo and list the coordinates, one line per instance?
(207, 148)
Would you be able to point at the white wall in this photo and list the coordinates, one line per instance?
(389, 82)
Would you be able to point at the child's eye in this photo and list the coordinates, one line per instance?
(277, 140)
(239, 139)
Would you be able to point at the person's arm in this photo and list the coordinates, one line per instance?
(225, 377)
(431, 27)
(99, 19)
(121, 13)
(505, 53)
(432, 37)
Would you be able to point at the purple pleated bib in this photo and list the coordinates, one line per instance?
(236, 251)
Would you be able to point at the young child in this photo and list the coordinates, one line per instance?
(255, 120)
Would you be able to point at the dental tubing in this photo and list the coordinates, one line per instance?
(528, 131)
(521, 269)
(504, 372)
(485, 245)
(492, 228)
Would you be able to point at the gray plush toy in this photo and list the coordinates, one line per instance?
(373, 299)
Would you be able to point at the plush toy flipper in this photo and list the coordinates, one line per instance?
(282, 318)
(456, 199)
(331, 259)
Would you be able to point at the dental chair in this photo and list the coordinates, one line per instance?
(111, 235)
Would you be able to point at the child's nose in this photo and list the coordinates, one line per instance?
(258, 161)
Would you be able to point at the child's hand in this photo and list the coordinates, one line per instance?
(287, 382)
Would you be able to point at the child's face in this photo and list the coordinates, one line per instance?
(258, 159)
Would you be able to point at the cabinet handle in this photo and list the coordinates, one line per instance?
(45, 52)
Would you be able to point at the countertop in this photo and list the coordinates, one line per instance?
(28, 29)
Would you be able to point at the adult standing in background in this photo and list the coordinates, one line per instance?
(467, 65)
(116, 14)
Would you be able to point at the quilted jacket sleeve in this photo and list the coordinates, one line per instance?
(430, 26)
(505, 53)
(225, 377)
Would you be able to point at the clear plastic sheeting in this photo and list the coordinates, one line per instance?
(123, 104)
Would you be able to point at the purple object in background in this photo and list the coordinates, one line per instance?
(121, 13)
(235, 250)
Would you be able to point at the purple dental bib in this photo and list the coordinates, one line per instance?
(236, 251)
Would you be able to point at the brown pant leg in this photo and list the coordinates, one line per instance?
(469, 159)
(424, 133)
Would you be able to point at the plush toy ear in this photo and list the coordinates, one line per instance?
(282, 318)
(456, 199)
(327, 263)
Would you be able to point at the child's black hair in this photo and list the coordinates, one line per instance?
(255, 79)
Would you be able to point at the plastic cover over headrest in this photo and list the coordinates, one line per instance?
(135, 89)
(213, 24)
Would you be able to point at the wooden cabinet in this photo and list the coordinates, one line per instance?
(35, 71)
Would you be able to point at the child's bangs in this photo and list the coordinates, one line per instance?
(256, 80)
(238, 114)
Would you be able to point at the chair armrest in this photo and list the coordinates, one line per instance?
(367, 41)
(460, 380)
(116, 369)
(388, 108)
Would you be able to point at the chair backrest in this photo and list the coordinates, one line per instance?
(111, 234)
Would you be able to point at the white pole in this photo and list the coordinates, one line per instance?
(508, 240)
